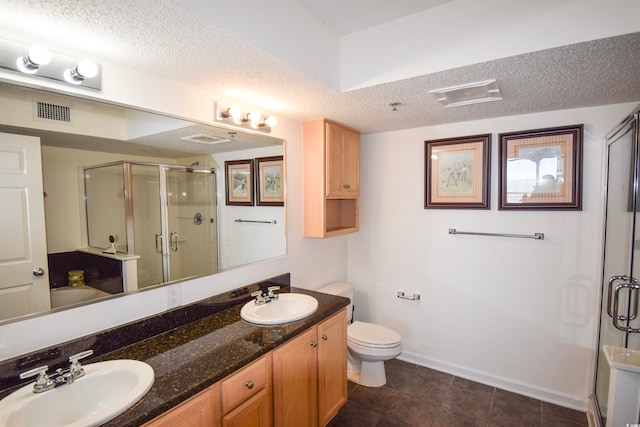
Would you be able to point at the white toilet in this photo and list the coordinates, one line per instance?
(369, 345)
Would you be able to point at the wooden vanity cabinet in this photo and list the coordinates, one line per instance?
(246, 396)
(199, 411)
(243, 399)
(331, 173)
(310, 375)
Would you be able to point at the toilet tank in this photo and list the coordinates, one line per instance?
(342, 289)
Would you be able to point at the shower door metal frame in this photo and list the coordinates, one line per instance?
(610, 305)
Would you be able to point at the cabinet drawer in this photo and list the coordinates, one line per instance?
(244, 384)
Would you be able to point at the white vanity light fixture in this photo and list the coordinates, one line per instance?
(470, 93)
(39, 62)
(237, 116)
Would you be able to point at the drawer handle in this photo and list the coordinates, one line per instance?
(324, 337)
(314, 343)
(249, 384)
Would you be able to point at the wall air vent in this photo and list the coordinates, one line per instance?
(48, 111)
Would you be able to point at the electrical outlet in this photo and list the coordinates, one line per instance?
(173, 296)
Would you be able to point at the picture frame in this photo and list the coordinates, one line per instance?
(269, 174)
(541, 169)
(457, 172)
(239, 182)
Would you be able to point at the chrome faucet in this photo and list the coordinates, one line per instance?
(263, 298)
(61, 376)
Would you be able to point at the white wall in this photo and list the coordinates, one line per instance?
(517, 313)
(311, 262)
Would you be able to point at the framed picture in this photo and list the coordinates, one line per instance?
(269, 191)
(541, 169)
(239, 182)
(457, 172)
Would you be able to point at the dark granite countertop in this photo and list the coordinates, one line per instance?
(192, 356)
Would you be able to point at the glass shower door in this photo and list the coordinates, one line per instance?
(147, 223)
(192, 222)
(619, 311)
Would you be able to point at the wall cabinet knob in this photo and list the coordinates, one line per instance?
(346, 186)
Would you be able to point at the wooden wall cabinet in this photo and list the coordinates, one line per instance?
(331, 173)
(310, 375)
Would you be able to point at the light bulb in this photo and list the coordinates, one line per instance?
(39, 55)
(87, 69)
(271, 121)
(234, 112)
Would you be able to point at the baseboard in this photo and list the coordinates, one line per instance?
(550, 396)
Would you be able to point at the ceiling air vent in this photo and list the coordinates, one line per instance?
(203, 138)
(48, 111)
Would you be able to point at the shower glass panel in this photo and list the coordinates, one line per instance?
(192, 222)
(621, 247)
(106, 205)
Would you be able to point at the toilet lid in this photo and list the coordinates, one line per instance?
(372, 335)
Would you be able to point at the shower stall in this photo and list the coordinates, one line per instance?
(620, 316)
(164, 214)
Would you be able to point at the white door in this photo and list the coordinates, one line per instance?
(24, 278)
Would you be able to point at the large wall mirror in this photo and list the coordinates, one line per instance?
(99, 200)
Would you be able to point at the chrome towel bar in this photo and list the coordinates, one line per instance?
(414, 297)
(273, 221)
(536, 236)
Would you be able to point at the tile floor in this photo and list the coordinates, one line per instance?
(417, 396)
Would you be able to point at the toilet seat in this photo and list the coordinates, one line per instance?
(372, 335)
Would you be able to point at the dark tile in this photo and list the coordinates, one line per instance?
(400, 365)
(445, 419)
(509, 409)
(473, 387)
(374, 398)
(463, 403)
(559, 422)
(427, 385)
(387, 421)
(355, 415)
(412, 410)
(551, 411)
(432, 375)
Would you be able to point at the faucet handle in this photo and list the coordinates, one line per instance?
(271, 295)
(43, 382)
(75, 369)
(74, 359)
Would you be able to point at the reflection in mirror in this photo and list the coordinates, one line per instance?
(112, 200)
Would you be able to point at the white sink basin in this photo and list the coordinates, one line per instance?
(67, 295)
(106, 391)
(287, 308)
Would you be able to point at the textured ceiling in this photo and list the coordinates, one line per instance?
(164, 39)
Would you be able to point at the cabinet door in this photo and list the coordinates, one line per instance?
(332, 366)
(295, 382)
(343, 162)
(255, 412)
(195, 412)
